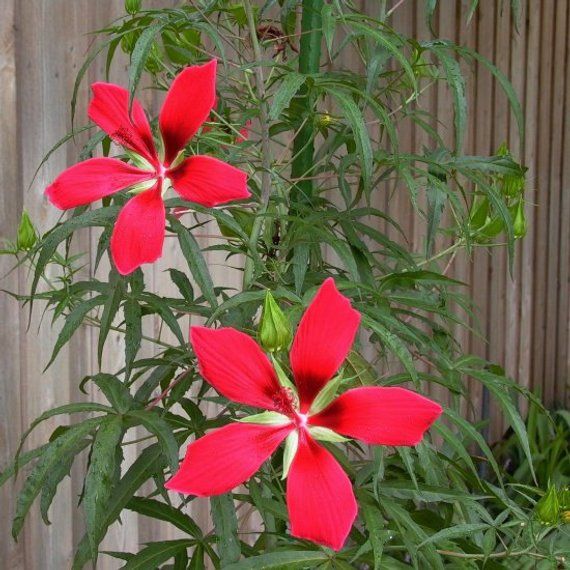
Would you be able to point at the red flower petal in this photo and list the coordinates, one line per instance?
(188, 103)
(236, 367)
(109, 109)
(225, 458)
(209, 181)
(324, 337)
(92, 180)
(320, 500)
(380, 416)
(139, 231)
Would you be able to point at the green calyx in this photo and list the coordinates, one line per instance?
(266, 418)
(275, 332)
(27, 235)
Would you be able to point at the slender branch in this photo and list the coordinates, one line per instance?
(504, 554)
(265, 144)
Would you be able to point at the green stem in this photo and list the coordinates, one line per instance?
(265, 146)
(309, 63)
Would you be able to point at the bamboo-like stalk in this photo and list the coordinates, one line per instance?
(309, 62)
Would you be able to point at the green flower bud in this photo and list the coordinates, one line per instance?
(519, 220)
(275, 329)
(27, 235)
(133, 6)
(548, 508)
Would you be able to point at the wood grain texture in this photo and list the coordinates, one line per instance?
(525, 317)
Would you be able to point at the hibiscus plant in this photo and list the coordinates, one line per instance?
(326, 394)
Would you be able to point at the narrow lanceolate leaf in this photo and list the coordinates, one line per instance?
(285, 92)
(225, 523)
(164, 512)
(51, 241)
(284, 560)
(183, 284)
(196, 262)
(56, 476)
(156, 553)
(377, 534)
(394, 344)
(100, 475)
(115, 391)
(456, 83)
(356, 121)
(140, 55)
(149, 462)
(110, 308)
(72, 322)
(133, 336)
(48, 461)
(156, 425)
(455, 531)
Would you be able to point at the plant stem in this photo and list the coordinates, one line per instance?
(309, 63)
(265, 145)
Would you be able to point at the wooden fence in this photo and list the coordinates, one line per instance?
(525, 319)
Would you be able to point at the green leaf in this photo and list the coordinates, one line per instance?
(394, 343)
(183, 284)
(377, 534)
(147, 463)
(284, 560)
(50, 242)
(329, 25)
(100, 476)
(456, 83)
(288, 88)
(133, 336)
(196, 262)
(51, 457)
(75, 408)
(72, 322)
(140, 55)
(164, 512)
(454, 532)
(356, 121)
(156, 553)
(110, 308)
(115, 391)
(162, 430)
(225, 523)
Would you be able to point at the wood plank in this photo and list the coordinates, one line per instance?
(11, 553)
(44, 80)
(555, 188)
(544, 149)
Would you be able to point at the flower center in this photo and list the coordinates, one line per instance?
(301, 420)
(284, 401)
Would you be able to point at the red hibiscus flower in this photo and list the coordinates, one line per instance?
(138, 235)
(320, 499)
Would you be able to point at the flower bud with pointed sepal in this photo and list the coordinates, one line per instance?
(275, 329)
(548, 508)
(133, 6)
(27, 235)
(519, 220)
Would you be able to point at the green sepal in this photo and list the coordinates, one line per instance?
(266, 418)
(326, 395)
(291, 446)
(325, 434)
(282, 376)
